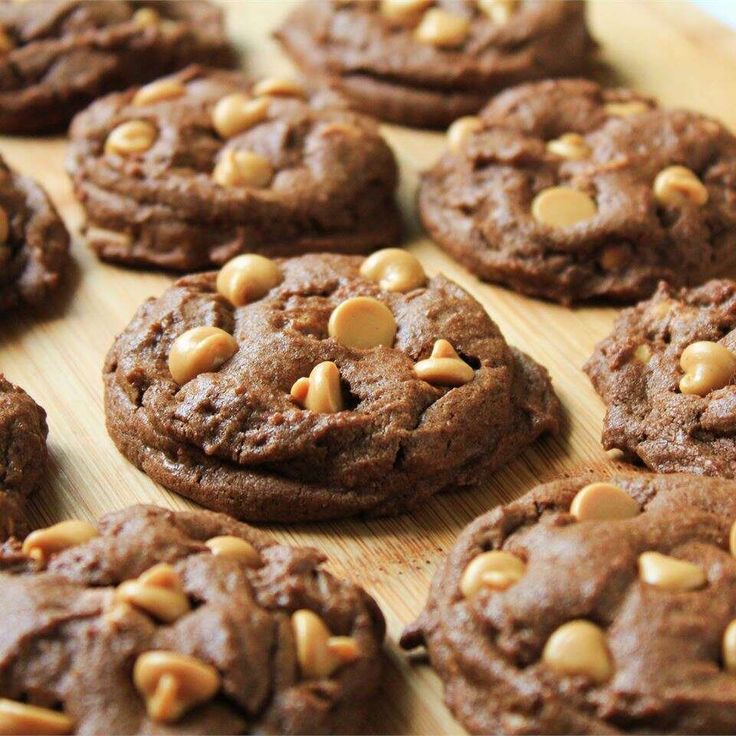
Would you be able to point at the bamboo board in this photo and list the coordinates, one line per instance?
(665, 48)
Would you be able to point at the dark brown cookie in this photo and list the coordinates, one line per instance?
(426, 63)
(667, 374)
(568, 191)
(56, 56)
(206, 165)
(34, 243)
(157, 621)
(591, 607)
(23, 455)
(319, 409)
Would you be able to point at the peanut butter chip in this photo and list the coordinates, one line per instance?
(729, 648)
(444, 367)
(321, 392)
(6, 43)
(732, 539)
(579, 648)
(614, 257)
(442, 29)
(495, 570)
(4, 226)
(626, 109)
(133, 136)
(173, 683)
(603, 501)
(677, 185)
(571, 146)
(31, 720)
(146, 18)
(459, 132)
(200, 350)
(562, 206)
(243, 169)
(235, 548)
(403, 11)
(362, 322)
(394, 269)
(499, 11)
(236, 112)
(158, 592)
(707, 366)
(279, 87)
(318, 652)
(158, 91)
(643, 353)
(247, 278)
(43, 543)
(669, 573)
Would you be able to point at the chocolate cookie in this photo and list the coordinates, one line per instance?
(194, 169)
(320, 387)
(426, 62)
(667, 374)
(157, 621)
(591, 607)
(23, 455)
(568, 191)
(56, 56)
(34, 243)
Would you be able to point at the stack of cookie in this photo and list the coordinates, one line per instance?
(303, 366)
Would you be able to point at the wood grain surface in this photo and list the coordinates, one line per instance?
(665, 48)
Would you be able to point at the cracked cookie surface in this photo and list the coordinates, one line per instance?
(78, 623)
(568, 191)
(237, 440)
(221, 166)
(662, 645)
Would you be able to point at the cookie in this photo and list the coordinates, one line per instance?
(568, 191)
(591, 605)
(196, 168)
(426, 63)
(34, 243)
(56, 57)
(667, 374)
(155, 621)
(23, 455)
(338, 386)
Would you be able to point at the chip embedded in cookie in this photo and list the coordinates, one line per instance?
(156, 621)
(591, 605)
(56, 57)
(320, 387)
(427, 62)
(202, 166)
(23, 455)
(567, 191)
(667, 374)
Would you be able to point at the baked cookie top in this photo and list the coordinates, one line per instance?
(155, 621)
(591, 605)
(56, 56)
(568, 191)
(34, 243)
(425, 62)
(196, 168)
(667, 376)
(338, 385)
(23, 454)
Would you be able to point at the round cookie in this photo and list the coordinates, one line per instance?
(23, 455)
(190, 171)
(667, 374)
(568, 191)
(426, 62)
(34, 243)
(341, 386)
(591, 605)
(56, 57)
(155, 621)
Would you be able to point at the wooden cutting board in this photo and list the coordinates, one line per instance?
(665, 48)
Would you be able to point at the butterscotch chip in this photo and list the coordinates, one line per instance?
(158, 91)
(133, 136)
(678, 185)
(247, 278)
(562, 206)
(200, 350)
(24, 719)
(732, 539)
(444, 367)
(614, 257)
(579, 648)
(237, 112)
(279, 87)
(158, 591)
(729, 648)
(670, 573)
(496, 570)
(362, 322)
(461, 130)
(6, 43)
(321, 392)
(707, 366)
(318, 652)
(43, 543)
(394, 269)
(243, 169)
(403, 10)
(146, 18)
(4, 226)
(643, 353)
(443, 29)
(598, 501)
(571, 146)
(626, 109)
(499, 11)
(235, 548)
